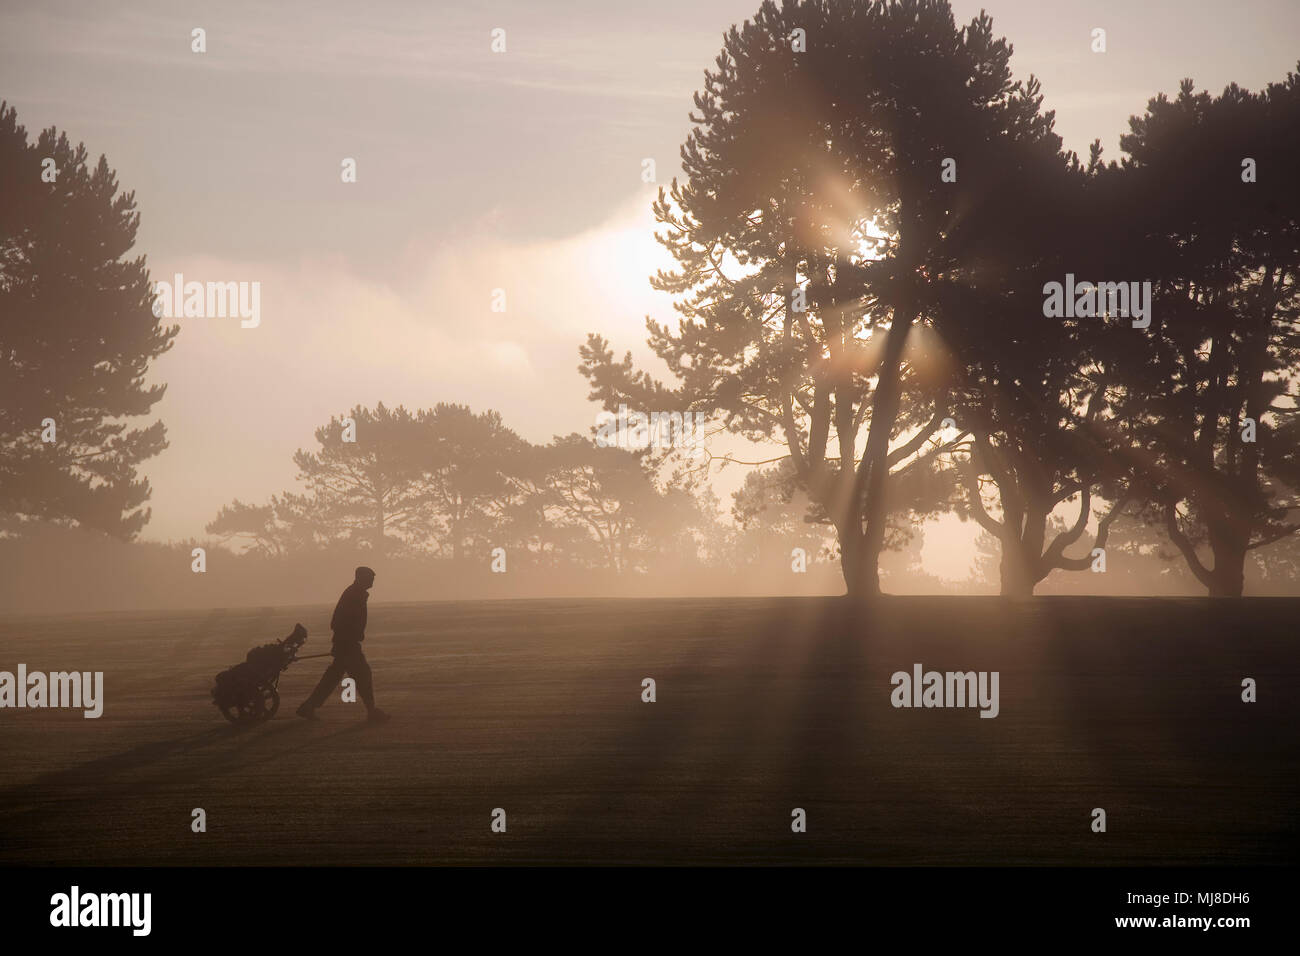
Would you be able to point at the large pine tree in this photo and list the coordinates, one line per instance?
(813, 217)
(1211, 409)
(77, 333)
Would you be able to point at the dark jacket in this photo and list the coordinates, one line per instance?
(349, 620)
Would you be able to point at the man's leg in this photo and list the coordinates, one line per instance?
(359, 669)
(328, 681)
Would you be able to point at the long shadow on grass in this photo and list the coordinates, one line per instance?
(695, 767)
(100, 779)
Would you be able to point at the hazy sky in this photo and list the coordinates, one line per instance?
(476, 170)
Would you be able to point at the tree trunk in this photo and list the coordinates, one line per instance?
(869, 572)
(884, 413)
(1016, 578)
(1228, 579)
(1019, 569)
(859, 582)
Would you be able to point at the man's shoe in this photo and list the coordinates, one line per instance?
(306, 713)
(377, 716)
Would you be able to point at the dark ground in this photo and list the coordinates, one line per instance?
(763, 706)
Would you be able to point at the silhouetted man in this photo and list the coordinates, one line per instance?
(349, 626)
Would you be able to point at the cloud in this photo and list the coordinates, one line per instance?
(240, 401)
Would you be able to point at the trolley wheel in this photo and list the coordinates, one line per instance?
(270, 700)
(245, 711)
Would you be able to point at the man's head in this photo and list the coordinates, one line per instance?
(365, 577)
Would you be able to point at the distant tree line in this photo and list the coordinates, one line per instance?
(456, 485)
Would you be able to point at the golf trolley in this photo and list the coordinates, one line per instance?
(247, 693)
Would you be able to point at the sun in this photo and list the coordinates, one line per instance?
(633, 256)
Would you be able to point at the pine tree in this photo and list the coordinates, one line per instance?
(1211, 406)
(812, 218)
(77, 335)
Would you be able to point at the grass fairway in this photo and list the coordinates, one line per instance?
(763, 706)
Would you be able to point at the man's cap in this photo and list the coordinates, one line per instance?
(364, 572)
